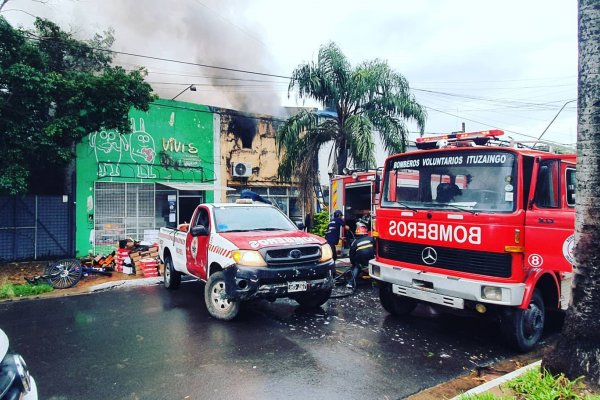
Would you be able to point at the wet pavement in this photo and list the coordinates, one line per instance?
(149, 343)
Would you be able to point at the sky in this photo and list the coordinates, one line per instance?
(509, 65)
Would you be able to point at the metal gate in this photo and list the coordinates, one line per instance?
(122, 210)
(35, 228)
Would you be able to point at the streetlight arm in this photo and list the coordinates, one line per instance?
(191, 87)
(553, 119)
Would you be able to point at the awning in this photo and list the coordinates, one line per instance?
(193, 186)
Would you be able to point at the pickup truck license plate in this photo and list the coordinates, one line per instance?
(297, 286)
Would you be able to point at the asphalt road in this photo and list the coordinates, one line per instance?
(149, 343)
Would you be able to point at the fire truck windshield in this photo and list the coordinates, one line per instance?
(470, 180)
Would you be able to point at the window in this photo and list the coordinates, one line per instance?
(482, 180)
(547, 193)
(571, 187)
(203, 218)
(284, 198)
(232, 219)
(122, 210)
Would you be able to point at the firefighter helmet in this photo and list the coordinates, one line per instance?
(337, 214)
(361, 229)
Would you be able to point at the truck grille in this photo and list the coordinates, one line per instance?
(295, 255)
(474, 262)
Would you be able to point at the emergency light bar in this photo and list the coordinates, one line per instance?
(480, 138)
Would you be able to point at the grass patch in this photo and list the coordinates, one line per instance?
(8, 290)
(535, 385)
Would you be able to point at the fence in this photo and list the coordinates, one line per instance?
(35, 228)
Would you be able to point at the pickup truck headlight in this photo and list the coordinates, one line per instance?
(326, 253)
(249, 258)
(14, 371)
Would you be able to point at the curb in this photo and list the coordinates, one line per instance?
(127, 283)
(498, 381)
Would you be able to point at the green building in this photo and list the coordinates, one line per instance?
(131, 185)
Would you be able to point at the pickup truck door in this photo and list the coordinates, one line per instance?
(550, 218)
(197, 246)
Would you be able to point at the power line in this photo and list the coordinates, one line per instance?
(491, 126)
(192, 63)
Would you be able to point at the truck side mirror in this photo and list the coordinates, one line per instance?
(377, 182)
(199, 230)
(300, 225)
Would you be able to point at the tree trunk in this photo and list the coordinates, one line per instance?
(577, 352)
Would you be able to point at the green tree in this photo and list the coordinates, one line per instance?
(54, 90)
(577, 352)
(366, 98)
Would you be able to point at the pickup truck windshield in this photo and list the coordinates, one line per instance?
(469, 180)
(240, 219)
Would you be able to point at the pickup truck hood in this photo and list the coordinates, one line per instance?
(258, 239)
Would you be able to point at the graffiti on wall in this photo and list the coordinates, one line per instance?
(137, 150)
(142, 150)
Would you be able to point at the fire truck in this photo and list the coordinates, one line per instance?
(471, 224)
(355, 195)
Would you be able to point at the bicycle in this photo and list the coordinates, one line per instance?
(63, 274)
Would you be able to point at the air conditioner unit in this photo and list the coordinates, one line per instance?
(241, 169)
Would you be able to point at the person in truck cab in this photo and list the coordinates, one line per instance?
(332, 235)
(362, 250)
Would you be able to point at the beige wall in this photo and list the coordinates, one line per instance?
(237, 132)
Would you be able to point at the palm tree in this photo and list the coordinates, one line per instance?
(369, 97)
(577, 352)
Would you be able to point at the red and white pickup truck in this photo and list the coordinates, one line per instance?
(245, 251)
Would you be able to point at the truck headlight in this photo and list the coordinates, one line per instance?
(249, 258)
(326, 253)
(491, 293)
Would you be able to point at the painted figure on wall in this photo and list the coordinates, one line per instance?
(142, 150)
(108, 147)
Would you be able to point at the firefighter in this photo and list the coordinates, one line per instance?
(332, 235)
(362, 250)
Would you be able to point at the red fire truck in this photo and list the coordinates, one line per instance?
(473, 224)
(354, 194)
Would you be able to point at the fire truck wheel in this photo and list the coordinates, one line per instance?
(312, 300)
(172, 277)
(523, 328)
(217, 304)
(396, 305)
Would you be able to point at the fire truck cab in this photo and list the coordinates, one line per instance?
(471, 224)
(354, 194)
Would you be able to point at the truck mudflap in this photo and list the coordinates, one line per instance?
(245, 283)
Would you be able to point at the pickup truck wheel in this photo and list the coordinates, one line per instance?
(217, 304)
(314, 299)
(172, 277)
(394, 304)
(524, 328)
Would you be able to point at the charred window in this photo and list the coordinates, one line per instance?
(243, 128)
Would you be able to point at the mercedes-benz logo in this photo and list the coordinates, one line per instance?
(295, 253)
(429, 255)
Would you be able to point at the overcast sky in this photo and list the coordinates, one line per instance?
(509, 65)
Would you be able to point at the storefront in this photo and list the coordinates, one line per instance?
(128, 186)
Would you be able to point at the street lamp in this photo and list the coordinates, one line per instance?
(191, 87)
(564, 105)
